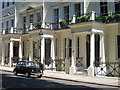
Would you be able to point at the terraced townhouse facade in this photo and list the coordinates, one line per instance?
(74, 37)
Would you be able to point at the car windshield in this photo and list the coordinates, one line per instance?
(32, 64)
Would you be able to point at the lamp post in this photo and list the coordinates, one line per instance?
(41, 33)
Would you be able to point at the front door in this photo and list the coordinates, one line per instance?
(88, 50)
(15, 51)
(47, 51)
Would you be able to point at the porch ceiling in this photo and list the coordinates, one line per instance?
(87, 27)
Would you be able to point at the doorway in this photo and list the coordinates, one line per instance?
(47, 51)
(15, 51)
(88, 50)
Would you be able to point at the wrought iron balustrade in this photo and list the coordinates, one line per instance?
(111, 69)
(13, 31)
(6, 60)
(79, 62)
(59, 64)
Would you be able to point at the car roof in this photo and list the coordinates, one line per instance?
(25, 61)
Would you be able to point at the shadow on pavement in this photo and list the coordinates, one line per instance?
(11, 81)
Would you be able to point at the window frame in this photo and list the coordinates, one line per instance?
(104, 6)
(76, 11)
(117, 9)
(117, 46)
(66, 12)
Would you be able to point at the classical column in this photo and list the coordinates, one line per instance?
(53, 53)
(11, 54)
(20, 49)
(73, 62)
(102, 52)
(3, 54)
(31, 50)
(92, 55)
(42, 50)
(102, 47)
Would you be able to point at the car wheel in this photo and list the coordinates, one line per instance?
(15, 73)
(39, 76)
(27, 75)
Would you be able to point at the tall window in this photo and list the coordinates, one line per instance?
(13, 2)
(118, 46)
(56, 50)
(2, 25)
(7, 24)
(23, 52)
(103, 8)
(8, 49)
(31, 18)
(7, 3)
(24, 23)
(66, 13)
(117, 7)
(56, 15)
(65, 42)
(70, 48)
(38, 17)
(3, 4)
(77, 9)
(78, 47)
(12, 22)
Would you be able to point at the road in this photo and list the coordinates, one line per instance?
(20, 81)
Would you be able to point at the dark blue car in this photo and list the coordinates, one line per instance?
(28, 68)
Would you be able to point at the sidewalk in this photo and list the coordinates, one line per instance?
(109, 81)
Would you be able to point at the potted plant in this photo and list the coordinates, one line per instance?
(109, 18)
(38, 25)
(117, 17)
(63, 24)
(82, 18)
(97, 18)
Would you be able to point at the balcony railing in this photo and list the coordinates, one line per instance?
(13, 31)
(110, 18)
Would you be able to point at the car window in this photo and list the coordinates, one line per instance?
(32, 64)
(21, 63)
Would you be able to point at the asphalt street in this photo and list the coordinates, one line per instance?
(11, 81)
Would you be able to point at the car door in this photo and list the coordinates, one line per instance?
(23, 67)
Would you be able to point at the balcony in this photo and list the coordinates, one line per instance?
(13, 30)
(47, 26)
(110, 18)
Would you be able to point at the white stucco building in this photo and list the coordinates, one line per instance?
(78, 37)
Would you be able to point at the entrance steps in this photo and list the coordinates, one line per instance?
(81, 72)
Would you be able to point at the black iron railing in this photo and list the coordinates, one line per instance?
(111, 69)
(79, 62)
(83, 18)
(6, 60)
(13, 31)
(58, 63)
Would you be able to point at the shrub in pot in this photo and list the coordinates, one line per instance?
(38, 25)
(63, 24)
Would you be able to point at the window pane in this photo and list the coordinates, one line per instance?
(118, 45)
(31, 18)
(117, 7)
(77, 9)
(66, 13)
